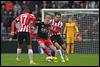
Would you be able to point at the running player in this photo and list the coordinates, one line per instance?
(43, 37)
(56, 26)
(23, 22)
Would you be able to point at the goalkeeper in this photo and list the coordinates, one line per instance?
(69, 29)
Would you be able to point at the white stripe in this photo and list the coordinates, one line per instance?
(53, 22)
(61, 24)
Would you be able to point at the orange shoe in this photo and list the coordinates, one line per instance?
(18, 59)
(31, 62)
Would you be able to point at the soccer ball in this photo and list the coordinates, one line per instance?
(49, 59)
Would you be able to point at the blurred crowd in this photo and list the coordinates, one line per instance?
(11, 9)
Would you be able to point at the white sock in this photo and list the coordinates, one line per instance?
(60, 52)
(30, 54)
(18, 52)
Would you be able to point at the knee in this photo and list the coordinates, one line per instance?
(64, 47)
(57, 45)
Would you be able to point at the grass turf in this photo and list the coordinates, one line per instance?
(74, 60)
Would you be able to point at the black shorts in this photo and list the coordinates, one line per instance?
(22, 36)
(57, 38)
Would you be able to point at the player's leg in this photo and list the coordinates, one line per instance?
(63, 45)
(59, 49)
(68, 44)
(29, 45)
(72, 48)
(72, 45)
(57, 46)
(67, 48)
(43, 46)
(20, 41)
(54, 41)
(53, 50)
(18, 58)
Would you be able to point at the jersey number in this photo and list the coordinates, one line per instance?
(23, 19)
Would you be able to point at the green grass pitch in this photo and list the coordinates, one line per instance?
(74, 60)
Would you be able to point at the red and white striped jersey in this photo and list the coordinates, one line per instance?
(55, 27)
(23, 22)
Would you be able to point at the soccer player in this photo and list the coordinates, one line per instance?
(23, 23)
(43, 37)
(56, 26)
(69, 29)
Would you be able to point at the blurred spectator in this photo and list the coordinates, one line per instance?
(5, 18)
(3, 31)
(86, 4)
(92, 4)
(4, 15)
(11, 9)
(2, 2)
(82, 4)
(54, 6)
(36, 9)
(71, 4)
(31, 5)
(17, 9)
(65, 5)
(76, 4)
(8, 5)
(44, 4)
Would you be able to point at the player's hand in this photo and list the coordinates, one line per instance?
(11, 36)
(78, 37)
(78, 34)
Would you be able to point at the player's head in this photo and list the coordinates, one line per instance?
(69, 20)
(57, 16)
(46, 19)
(26, 10)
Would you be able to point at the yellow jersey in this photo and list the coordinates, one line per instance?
(70, 28)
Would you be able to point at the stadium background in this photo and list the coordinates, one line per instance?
(89, 29)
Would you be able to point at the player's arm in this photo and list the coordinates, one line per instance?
(77, 36)
(77, 30)
(65, 28)
(32, 21)
(49, 31)
(12, 30)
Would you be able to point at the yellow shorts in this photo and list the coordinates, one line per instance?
(69, 39)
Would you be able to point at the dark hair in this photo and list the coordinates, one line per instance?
(57, 13)
(26, 10)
